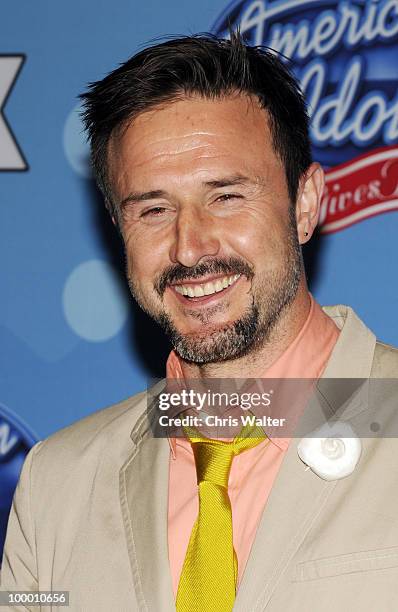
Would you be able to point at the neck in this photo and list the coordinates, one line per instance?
(254, 364)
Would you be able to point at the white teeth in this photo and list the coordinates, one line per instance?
(206, 288)
(198, 291)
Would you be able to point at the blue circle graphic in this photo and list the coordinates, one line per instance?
(16, 439)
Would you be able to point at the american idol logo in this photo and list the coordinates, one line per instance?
(16, 439)
(345, 57)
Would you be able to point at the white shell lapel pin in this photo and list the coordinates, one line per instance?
(332, 452)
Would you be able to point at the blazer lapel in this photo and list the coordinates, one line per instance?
(144, 482)
(296, 499)
(352, 356)
(298, 496)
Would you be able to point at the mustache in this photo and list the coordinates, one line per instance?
(177, 272)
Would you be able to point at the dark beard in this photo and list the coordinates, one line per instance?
(229, 342)
(236, 339)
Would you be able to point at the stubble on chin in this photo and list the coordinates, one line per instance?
(222, 343)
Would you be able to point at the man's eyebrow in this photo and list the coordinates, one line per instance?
(138, 196)
(227, 181)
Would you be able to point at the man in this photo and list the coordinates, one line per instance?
(201, 149)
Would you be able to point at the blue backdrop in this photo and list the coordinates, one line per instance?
(72, 341)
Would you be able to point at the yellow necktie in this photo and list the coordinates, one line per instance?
(209, 574)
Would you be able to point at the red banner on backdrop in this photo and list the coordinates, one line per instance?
(363, 187)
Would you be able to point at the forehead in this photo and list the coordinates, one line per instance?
(194, 134)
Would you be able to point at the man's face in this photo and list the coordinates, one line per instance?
(211, 244)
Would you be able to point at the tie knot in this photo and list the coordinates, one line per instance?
(213, 458)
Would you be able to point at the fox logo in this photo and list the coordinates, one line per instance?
(11, 156)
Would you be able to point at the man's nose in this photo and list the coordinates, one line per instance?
(196, 235)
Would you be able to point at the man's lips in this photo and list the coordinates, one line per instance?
(204, 290)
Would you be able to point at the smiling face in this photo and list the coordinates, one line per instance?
(210, 236)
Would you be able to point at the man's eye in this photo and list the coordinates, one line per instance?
(227, 196)
(153, 212)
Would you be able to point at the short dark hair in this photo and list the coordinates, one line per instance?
(209, 67)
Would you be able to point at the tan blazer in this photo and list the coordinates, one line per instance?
(90, 512)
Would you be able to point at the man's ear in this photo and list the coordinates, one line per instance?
(309, 201)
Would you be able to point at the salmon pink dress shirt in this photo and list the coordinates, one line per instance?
(254, 471)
